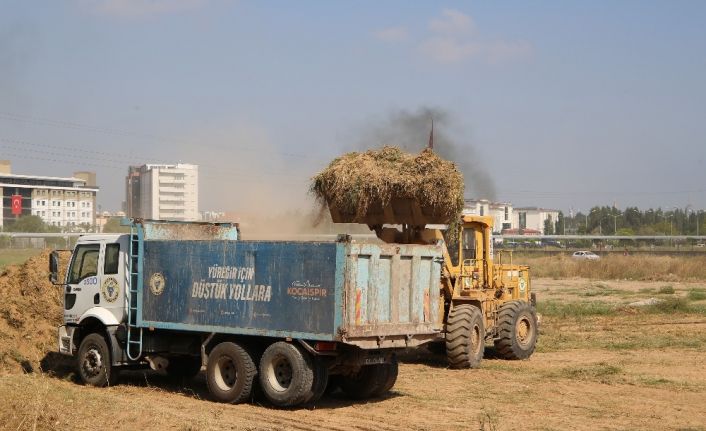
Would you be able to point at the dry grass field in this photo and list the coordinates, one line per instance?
(600, 364)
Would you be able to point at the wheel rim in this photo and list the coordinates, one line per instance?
(475, 339)
(279, 373)
(226, 375)
(92, 362)
(523, 331)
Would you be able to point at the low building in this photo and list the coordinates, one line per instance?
(58, 201)
(534, 218)
(502, 212)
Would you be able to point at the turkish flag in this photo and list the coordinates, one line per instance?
(16, 204)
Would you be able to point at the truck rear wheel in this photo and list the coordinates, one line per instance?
(369, 381)
(230, 373)
(465, 336)
(320, 380)
(286, 374)
(94, 362)
(517, 330)
(391, 370)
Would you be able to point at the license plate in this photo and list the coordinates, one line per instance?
(374, 360)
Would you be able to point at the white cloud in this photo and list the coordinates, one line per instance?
(452, 22)
(453, 39)
(140, 8)
(392, 34)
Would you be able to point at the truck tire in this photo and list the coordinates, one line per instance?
(391, 370)
(184, 367)
(320, 380)
(94, 362)
(286, 374)
(465, 336)
(517, 330)
(230, 373)
(368, 381)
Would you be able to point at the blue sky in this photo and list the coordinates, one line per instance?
(561, 104)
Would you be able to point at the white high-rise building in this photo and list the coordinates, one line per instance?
(163, 192)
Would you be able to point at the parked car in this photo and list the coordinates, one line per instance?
(585, 255)
(552, 243)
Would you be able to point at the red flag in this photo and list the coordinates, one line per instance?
(16, 204)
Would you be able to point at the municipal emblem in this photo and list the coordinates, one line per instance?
(157, 283)
(110, 289)
(523, 285)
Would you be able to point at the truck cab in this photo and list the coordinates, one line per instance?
(95, 280)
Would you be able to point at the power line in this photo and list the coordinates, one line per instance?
(72, 155)
(124, 133)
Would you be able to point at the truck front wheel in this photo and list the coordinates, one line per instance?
(94, 362)
(465, 336)
(517, 330)
(230, 373)
(287, 374)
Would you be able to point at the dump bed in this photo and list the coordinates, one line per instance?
(365, 294)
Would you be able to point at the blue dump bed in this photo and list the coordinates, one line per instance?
(366, 294)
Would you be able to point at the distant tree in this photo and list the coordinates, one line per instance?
(113, 226)
(548, 226)
(29, 223)
(560, 223)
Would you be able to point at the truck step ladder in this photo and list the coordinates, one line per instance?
(134, 333)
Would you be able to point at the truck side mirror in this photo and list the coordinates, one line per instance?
(53, 267)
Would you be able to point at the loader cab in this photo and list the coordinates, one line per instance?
(470, 251)
(95, 279)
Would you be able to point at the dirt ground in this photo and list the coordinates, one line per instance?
(618, 370)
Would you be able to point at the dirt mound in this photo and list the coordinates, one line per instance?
(358, 185)
(30, 311)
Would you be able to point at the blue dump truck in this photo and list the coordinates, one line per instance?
(289, 317)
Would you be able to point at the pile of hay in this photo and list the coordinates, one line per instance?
(30, 310)
(354, 182)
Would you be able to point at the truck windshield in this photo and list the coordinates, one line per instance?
(84, 263)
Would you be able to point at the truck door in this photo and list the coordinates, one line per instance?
(111, 277)
(82, 289)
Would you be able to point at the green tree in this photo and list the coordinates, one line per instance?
(29, 223)
(560, 224)
(548, 226)
(113, 226)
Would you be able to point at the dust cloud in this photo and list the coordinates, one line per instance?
(263, 187)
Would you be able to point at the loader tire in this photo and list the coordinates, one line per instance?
(230, 373)
(286, 374)
(517, 330)
(368, 381)
(465, 336)
(95, 363)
